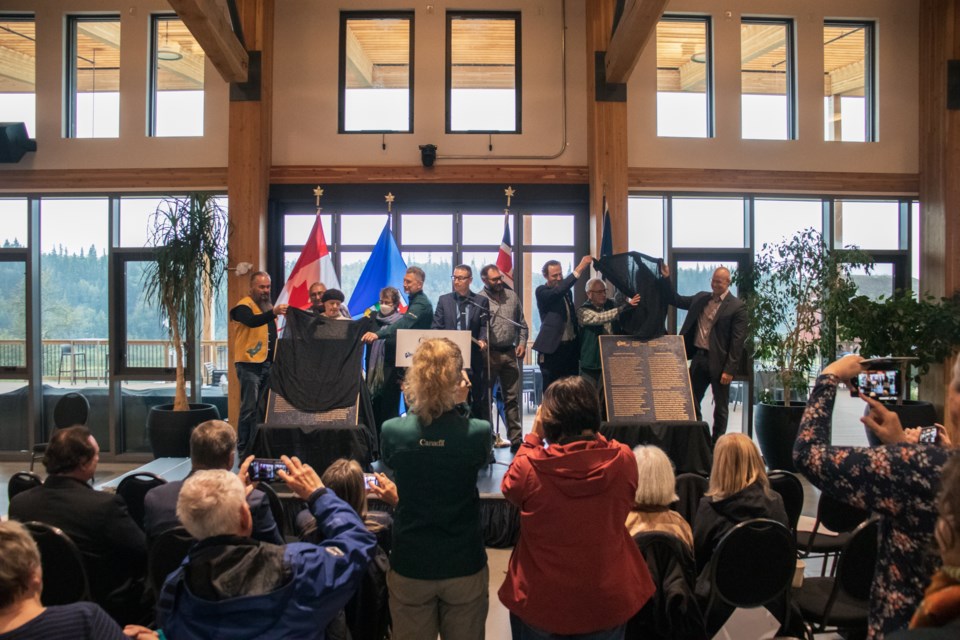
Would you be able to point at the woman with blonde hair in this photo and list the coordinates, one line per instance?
(438, 577)
(656, 491)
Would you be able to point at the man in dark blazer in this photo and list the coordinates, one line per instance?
(213, 445)
(467, 311)
(713, 333)
(113, 547)
(558, 351)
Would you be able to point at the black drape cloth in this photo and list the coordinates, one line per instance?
(317, 366)
(635, 273)
(687, 444)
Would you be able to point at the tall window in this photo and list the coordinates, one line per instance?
(376, 72)
(766, 79)
(483, 72)
(93, 77)
(18, 54)
(176, 96)
(849, 111)
(684, 78)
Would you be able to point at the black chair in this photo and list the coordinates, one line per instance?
(21, 481)
(753, 566)
(71, 409)
(842, 602)
(165, 554)
(133, 489)
(673, 612)
(690, 488)
(791, 490)
(836, 516)
(64, 576)
(276, 507)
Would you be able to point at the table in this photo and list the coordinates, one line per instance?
(686, 443)
(318, 446)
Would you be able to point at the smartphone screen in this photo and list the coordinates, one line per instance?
(371, 480)
(265, 469)
(929, 435)
(879, 385)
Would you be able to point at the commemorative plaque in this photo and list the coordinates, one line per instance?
(280, 411)
(646, 381)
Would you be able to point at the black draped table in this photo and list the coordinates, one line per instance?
(686, 443)
(318, 446)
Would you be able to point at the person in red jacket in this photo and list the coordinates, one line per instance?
(575, 570)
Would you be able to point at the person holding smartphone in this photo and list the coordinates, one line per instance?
(897, 481)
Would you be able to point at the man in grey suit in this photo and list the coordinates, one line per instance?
(713, 333)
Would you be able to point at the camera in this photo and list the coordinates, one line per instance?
(371, 480)
(265, 469)
(929, 435)
(879, 385)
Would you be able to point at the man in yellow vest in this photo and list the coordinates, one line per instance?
(253, 348)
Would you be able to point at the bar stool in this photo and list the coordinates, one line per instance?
(78, 362)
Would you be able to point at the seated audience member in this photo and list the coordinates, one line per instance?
(231, 586)
(23, 616)
(114, 547)
(898, 481)
(656, 491)
(213, 445)
(739, 491)
(575, 568)
(438, 577)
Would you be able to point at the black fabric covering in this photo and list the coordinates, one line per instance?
(635, 273)
(317, 366)
(687, 444)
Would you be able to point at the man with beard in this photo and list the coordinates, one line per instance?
(253, 348)
(508, 344)
(419, 313)
(557, 343)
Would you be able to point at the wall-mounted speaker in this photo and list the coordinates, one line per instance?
(14, 142)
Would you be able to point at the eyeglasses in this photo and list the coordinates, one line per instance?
(495, 280)
(459, 278)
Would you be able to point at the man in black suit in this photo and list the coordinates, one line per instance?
(467, 311)
(713, 333)
(558, 352)
(114, 548)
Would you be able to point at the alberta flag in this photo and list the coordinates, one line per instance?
(384, 268)
(505, 257)
(314, 265)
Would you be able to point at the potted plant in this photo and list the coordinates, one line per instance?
(926, 328)
(189, 237)
(793, 293)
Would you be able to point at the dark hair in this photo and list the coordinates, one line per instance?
(211, 445)
(948, 500)
(332, 294)
(68, 449)
(486, 269)
(464, 267)
(418, 273)
(392, 293)
(569, 406)
(548, 264)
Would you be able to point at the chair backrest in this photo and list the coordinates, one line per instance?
(21, 481)
(276, 507)
(838, 516)
(64, 575)
(690, 488)
(166, 553)
(791, 490)
(66, 349)
(72, 409)
(753, 564)
(673, 613)
(858, 560)
(133, 489)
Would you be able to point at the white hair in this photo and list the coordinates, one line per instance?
(592, 280)
(211, 503)
(656, 485)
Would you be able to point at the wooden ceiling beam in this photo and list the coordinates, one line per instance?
(17, 66)
(635, 29)
(359, 65)
(209, 22)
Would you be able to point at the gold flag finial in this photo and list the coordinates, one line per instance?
(389, 198)
(509, 192)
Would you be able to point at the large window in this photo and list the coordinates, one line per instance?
(684, 77)
(766, 79)
(18, 46)
(93, 77)
(483, 72)
(376, 72)
(176, 104)
(849, 110)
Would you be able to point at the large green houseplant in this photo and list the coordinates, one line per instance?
(189, 239)
(794, 291)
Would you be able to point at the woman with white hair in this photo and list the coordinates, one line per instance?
(656, 491)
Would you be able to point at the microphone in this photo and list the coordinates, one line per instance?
(478, 306)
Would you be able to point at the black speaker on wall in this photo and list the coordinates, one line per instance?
(14, 141)
(953, 84)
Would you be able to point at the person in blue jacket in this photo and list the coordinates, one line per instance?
(232, 586)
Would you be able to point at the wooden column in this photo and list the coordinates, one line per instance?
(606, 136)
(939, 41)
(248, 170)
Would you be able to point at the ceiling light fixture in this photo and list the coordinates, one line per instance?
(169, 51)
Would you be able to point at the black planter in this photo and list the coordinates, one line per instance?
(776, 427)
(169, 431)
(912, 413)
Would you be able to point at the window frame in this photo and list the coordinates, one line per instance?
(70, 75)
(709, 77)
(790, 45)
(870, 84)
(152, 78)
(517, 65)
(345, 16)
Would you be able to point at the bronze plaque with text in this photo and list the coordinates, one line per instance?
(646, 381)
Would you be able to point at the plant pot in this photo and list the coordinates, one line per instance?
(776, 427)
(912, 413)
(169, 431)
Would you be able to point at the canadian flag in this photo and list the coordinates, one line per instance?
(314, 265)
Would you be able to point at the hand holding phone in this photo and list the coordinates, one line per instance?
(265, 469)
(370, 479)
(929, 435)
